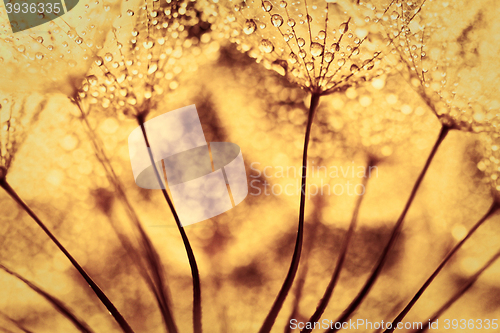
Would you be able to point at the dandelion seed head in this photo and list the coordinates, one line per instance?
(452, 72)
(145, 57)
(43, 52)
(308, 36)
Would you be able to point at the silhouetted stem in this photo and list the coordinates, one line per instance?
(340, 262)
(292, 271)
(157, 283)
(392, 240)
(197, 323)
(104, 299)
(494, 207)
(459, 293)
(308, 246)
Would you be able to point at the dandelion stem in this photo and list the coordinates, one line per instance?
(197, 323)
(459, 293)
(340, 261)
(97, 290)
(157, 282)
(394, 236)
(294, 265)
(494, 207)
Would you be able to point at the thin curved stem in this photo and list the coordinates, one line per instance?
(494, 207)
(97, 290)
(394, 236)
(197, 313)
(294, 265)
(157, 281)
(459, 293)
(340, 262)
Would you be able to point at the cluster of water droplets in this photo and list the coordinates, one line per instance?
(320, 45)
(17, 113)
(437, 50)
(150, 46)
(54, 54)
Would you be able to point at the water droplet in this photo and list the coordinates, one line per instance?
(148, 43)
(135, 33)
(354, 68)
(39, 55)
(267, 6)
(72, 63)
(310, 66)
(335, 47)
(283, 4)
(291, 22)
(344, 27)
(79, 40)
(266, 46)
(355, 51)
(108, 57)
(99, 61)
(316, 49)
(302, 54)
(341, 62)
(130, 12)
(280, 66)
(21, 48)
(277, 20)
(72, 34)
(249, 27)
(293, 58)
(50, 47)
(394, 15)
(110, 78)
(39, 39)
(329, 56)
(153, 68)
(322, 34)
(301, 42)
(92, 79)
(309, 18)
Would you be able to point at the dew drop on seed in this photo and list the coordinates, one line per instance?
(148, 43)
(72, 34)
(329, 57)
(310, 66)
(130, 12)
(39, 39)
(291, 22)
(316, 49)
(301, 42)
(266, 46)
(249, 27)
(39, 55)
(344, 27)
(277, 20)
(98, 61)
(283, 4)
(341, 62)
(354, 68)
(267, 6)
(335, 47)
(110, 78)
(293, 58)
(394, 15)
(79, 40)
(302, 54)
(322, 34)
(108, 57)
